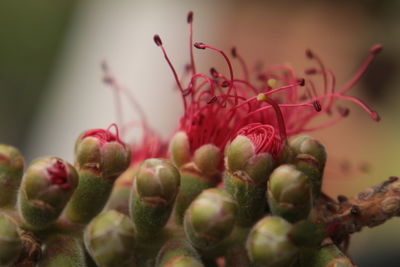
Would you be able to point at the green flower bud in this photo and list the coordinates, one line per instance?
(197, 175)
(207, 159)
(63, 250)
(239, 151)
(310, 167)
(180, 149)
(110, 239)
(10, 241)
(46, 187)
(153, 194)
(178, 253)
(11, 169)
(328, 255)
(307, 234)
(210, 218)
(304, 144)
(120, 195)
(289, 193)
(245, 179)
(268, 244)
(100, 157)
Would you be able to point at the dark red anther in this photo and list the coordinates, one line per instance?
(157, 40)
(376, 49)
(190, 17)
(233, 52)
(301, 81)
(200, 45)
(58, 174)
(225, 84)
(317, 105)
(309, 54)
(344, 112)
(393, 179)
(310, 71)
(212, 100)
(214, 72)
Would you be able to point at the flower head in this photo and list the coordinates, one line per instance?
(267, 105)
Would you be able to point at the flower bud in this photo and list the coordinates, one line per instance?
(304, 144)
(153, 194)
(46, 187)
(101, 151)
(310, 167)
(289, 193)
(202, 172)
(110, 239)
(268, 244)
(325, 255)
(100, 157)
(245, 178)
(63, 250)
(120, 195)
(210, 218)
(180, 149)
(11, 169)
(10, 241)
(178, 253)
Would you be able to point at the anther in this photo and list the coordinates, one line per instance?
(393, 179)
(190, 17)
(301, 81)
(157, 40)
(376, 49)
(233, 52)
(344, 112)
(214, 72)
(309, 54)
(375, 116)
(317, 105)
(200, 45)
(225, 84)
(310, 71)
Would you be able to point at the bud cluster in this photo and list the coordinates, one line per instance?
(238, 183)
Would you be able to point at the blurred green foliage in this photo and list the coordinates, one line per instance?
(31, 34)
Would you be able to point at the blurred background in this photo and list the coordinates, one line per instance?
(51, 86)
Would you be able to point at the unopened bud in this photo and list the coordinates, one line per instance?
(304, 144)
(153, 194)
(289, 193)
(110, 239)
(210, 218)
(180, 149)
(178, 253)
(268, 244)
(11, 169)
(10, 241)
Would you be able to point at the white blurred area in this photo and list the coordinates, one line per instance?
(121, 32)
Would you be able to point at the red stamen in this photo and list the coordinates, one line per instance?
(58, 174)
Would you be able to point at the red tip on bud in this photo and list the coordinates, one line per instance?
(376, 49)
(190, 17)
(317, 105)
(157, 40)
(104, 136)
(233, 52)
(214, 72)
(58, 174)
(301, 81)
(309, 54)
(200, 45)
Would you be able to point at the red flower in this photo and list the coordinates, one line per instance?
(266, 105)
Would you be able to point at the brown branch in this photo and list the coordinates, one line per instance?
(369, 208)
